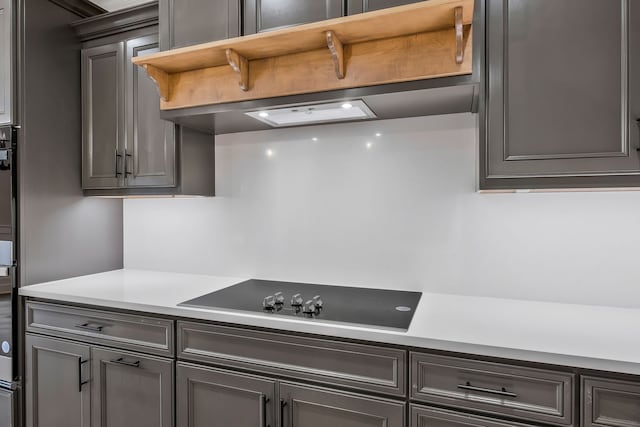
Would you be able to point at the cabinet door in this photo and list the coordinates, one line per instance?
(189, 22)
(265, 15)
(359, 6)
(6, 61)
(150, 154)
(422, 416)
(7, 408)
(131, 390)
(57, 393)
(559, 103)
(103, 116)
(316, 407)
(212, 397)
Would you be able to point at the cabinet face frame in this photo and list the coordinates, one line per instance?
(502, 169)
(252, 17)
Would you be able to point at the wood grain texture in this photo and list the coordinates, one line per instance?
(413, 42)
(408, 58)
(426, 16)
(161, 79)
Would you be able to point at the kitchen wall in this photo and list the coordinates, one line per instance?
(398, 210)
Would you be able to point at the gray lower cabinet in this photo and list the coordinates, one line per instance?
(7, 408)
(189, 22)
(562, 97)
(265, 15)
(359, 6)
(131, 390)
(6, 61)
(422, 416)
(317, 407)
(214, 397)
(610, 403)
(57, 390)
(103, 116)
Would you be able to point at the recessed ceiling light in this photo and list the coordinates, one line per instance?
(347, 105)
(263, 114)
(314, 139)
(369, 144)
(378, 134)
(269, 153)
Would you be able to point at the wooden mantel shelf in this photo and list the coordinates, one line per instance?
(419, 41)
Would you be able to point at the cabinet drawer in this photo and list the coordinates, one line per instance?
(422, 416)
(146, 334)
(358, 366)
(610, 403)
(528, 394)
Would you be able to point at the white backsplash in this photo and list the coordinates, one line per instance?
(398, 211)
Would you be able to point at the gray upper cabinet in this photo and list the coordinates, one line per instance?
(561, 98)
(316, 407)
(6, 61)
(150, 154)
(359, 6)
(189, 22)
(131, 390)
(265, 15)
(103, 116)
(57, 389)
(207, 396)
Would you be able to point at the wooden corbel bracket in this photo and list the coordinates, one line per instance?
(240, 66)
(337, 53)
(459, 35)
(161, 79)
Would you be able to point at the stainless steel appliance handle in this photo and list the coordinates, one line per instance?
(502, 392)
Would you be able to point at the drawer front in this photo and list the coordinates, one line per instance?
(145, 334)
(610, 403)
(422, 416)
(528, 394)
(358, 366)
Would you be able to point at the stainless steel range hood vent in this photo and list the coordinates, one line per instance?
(314, 114)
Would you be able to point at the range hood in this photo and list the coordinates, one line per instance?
(405, 61)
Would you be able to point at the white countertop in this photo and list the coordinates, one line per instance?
(592, 337)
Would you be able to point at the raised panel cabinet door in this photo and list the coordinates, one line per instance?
(560, 76)
(266, 15)
(7, 408)
(189, 22)
(131, 390)
(150, 154)
(6, 61)
(359, 6)
(318, 407)
(422, 416)
(57, 376)
(610, 403)
(103, 116)
(208, 397)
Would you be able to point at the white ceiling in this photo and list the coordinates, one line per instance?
(112, 5)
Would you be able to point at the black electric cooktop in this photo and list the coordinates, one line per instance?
(360, 306)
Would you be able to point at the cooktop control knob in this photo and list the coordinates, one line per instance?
(317, 301)
(279, 298)
(296, 300)
(269, 303)
(309, 308)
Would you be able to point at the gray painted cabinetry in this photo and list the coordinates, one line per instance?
(265, 15)
(610, 403)
(359, 6)
(7, 408)
(189, 22)
(6, 61)
(562, 97)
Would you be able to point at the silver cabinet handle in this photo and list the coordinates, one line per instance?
(283, 403)
(91, 327)
(118, 157)
(127, 156)
(502, 392)
(123, 362)
(263, 410)
(80, 382)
